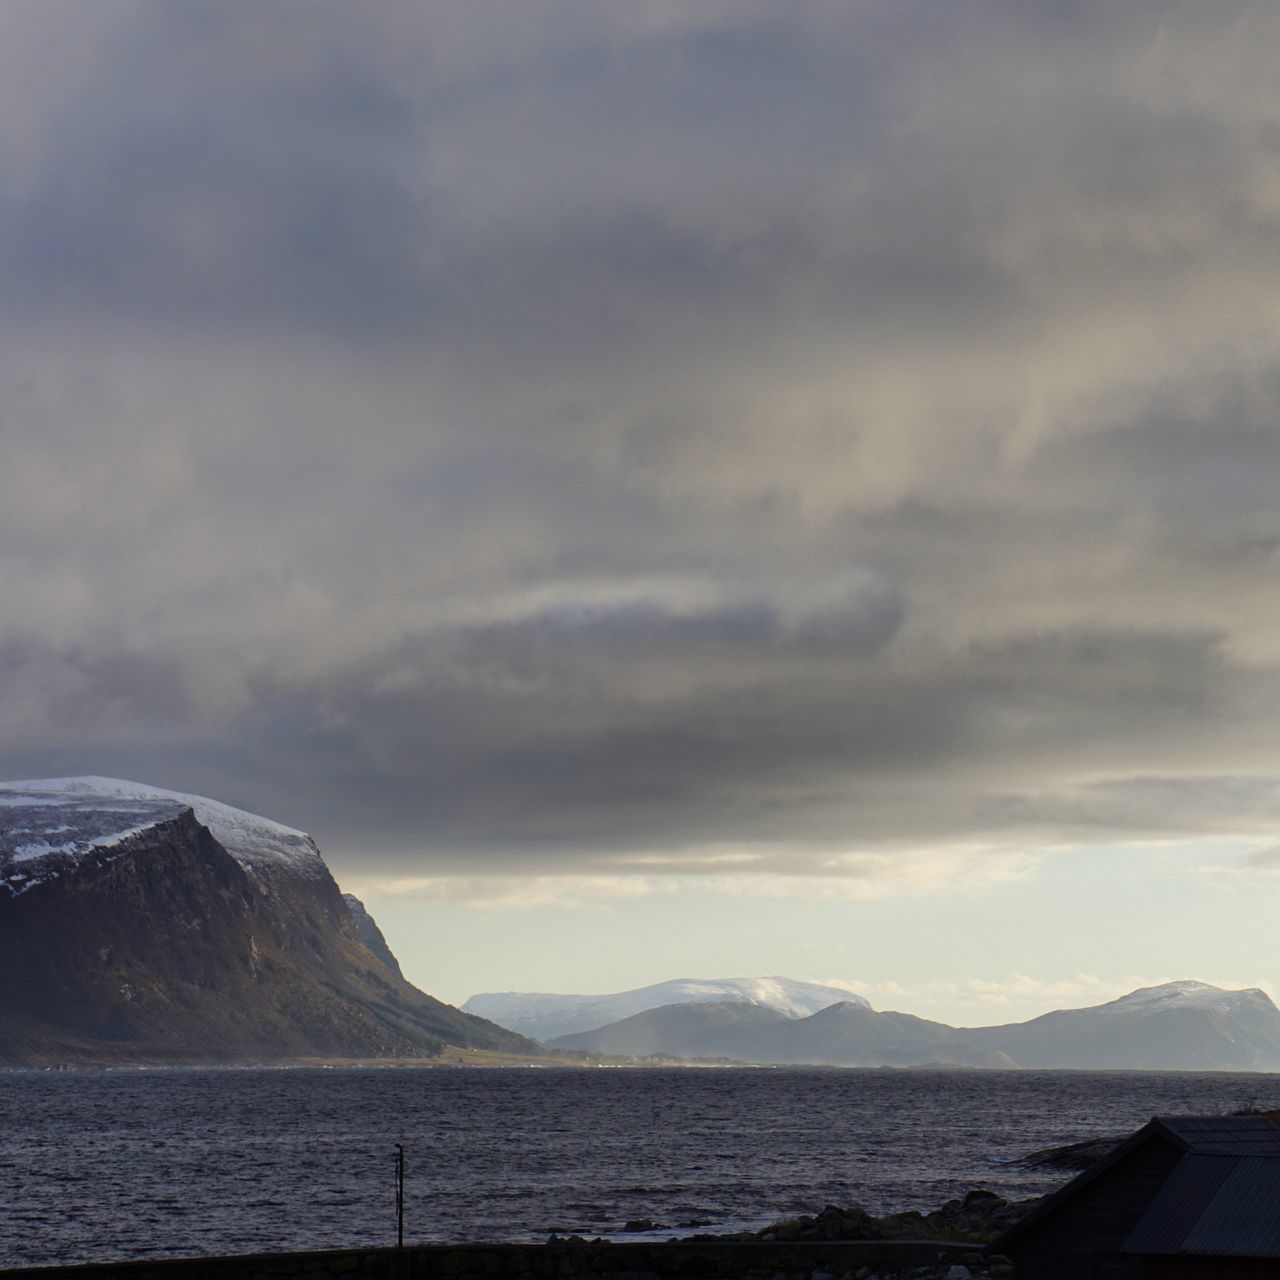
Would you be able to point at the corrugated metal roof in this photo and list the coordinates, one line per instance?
(1243, 1219)
(1225, 1135)
(1218, 1206)
(1185, 1195)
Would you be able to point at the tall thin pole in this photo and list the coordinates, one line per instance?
(399, 1196)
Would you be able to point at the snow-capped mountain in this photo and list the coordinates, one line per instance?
(259, 845)
(47, 834)
(144, 925)
(544, 1016)
(1185, 1025)
(1183, 994)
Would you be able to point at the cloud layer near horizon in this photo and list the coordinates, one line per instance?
(536, 436)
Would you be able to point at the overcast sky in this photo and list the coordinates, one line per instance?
(682, 488)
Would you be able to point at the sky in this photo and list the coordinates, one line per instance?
(679, 489)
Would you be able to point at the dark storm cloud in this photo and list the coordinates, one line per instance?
(551, 432)
(180, 192)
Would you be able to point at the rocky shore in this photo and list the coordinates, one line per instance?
(968, 1223)
(977, 1218)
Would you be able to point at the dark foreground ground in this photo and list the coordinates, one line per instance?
(709, 1260)
(837, 1244)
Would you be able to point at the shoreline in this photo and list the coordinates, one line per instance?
(454, 1058)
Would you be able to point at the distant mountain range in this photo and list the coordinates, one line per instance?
(544, 1016)
(144, 925)
(140, 925)
(1180, 1026)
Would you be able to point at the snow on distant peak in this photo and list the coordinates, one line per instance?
(544, 1015)
(1185, 993)
(788, 995)
(257, 843)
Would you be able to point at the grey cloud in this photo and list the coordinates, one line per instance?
(578, 744)
(366, 368)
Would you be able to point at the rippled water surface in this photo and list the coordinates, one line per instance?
(111, 1164)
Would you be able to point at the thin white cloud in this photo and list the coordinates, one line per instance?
(514, 893)
(729, 874)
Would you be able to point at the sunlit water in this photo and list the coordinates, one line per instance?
(98, 1165)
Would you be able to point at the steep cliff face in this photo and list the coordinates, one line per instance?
(130, 932)
(369, 933)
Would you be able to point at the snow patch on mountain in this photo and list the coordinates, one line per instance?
(258, 844)
(788, 995)
(1183, 994)
(45, 834)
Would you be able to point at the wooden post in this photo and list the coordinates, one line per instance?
(399, 1196)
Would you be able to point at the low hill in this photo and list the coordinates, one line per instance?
(715, 1029)
(846, 1034)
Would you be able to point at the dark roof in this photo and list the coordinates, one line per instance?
(1222, 1206)
(1225, 1135)
(1203, 1135)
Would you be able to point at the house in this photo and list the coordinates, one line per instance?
(1185, 1196)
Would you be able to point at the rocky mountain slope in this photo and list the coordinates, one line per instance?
(1180, 1026)
(142, 925)
(544, 1016)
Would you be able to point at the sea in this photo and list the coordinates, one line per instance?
(99, 1165)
